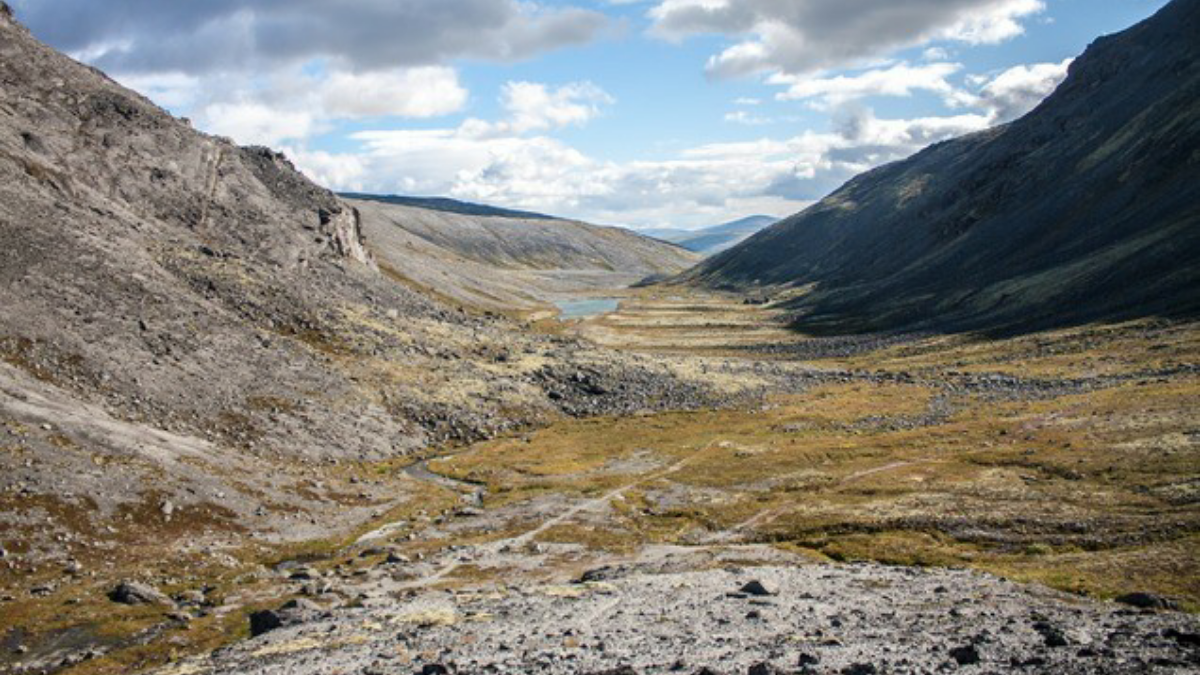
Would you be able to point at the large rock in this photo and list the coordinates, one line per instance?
(137, 593)
(294, 612)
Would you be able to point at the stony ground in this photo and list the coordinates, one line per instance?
(805, 619)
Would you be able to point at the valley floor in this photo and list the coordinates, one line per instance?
(894, 494)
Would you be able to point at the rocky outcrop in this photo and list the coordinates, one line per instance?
(1086, 209)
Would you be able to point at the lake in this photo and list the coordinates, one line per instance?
(579, 309)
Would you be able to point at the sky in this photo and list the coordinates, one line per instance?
(640, 113)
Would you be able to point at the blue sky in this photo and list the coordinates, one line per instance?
(651, 113)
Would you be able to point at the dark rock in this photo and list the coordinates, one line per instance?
(435, 669)
(1051, 635)
(1147, 601)
(265, 621)
(605, 573)
(763, 668)
(1185, 639)
(757, 587)
(860, 669)
(293, 612)
(965, 656)
(305, 574)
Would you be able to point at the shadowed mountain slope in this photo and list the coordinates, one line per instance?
(1086, 209)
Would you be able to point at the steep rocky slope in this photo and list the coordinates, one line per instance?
(507, 261)
(192, 332)
(1088, 208)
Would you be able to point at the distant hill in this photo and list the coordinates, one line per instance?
(1086, 209)
(448, 205)
(710, 240)
(490, 258)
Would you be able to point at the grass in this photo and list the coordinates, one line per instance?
(1092, 493)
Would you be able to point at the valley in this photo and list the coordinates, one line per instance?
(250, 425)
(1067, 460)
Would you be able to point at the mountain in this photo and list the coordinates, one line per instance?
(721, 237)
(506, 260)
(448, 205)
(1086, 209)
(710, 240)
(193, 332)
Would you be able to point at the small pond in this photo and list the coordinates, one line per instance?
(583, 308)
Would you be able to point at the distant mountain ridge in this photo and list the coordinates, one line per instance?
(448, 205)
(486, 257)
(1086, 209)
(710, 240)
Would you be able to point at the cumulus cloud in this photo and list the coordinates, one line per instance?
(898, 80)
(533, 106)
(295, 103)
(516, 164)
(133, 36)
(426, 91)
(1003, 97)
(804, 36)
(1020, 89)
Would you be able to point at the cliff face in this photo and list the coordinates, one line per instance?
(1087, 208)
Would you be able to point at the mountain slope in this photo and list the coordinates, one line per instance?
(447, 205)
(193, 332)
(710, 240)
(503, 262)
(1087, 208)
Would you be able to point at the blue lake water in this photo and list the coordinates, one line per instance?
(579, 309)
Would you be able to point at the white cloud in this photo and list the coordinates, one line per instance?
(296, 103)
(898, 80)
(254, 123)
(1018, 90)
(743, 117)
(805, 36)
(493, 162)
(534, 106)
(426, 91)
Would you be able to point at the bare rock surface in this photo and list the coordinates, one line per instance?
(822, 619)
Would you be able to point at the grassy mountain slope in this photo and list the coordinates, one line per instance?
(504, 262)
(1087, 208)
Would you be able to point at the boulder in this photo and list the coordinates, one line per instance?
(293, 612)
(757, 587)
(1147, 601)
(965, 656)
(137, 593)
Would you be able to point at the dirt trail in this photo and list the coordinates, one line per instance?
(493, 552)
